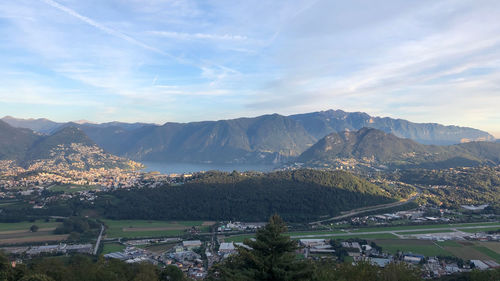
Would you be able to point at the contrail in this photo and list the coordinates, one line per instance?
(104, 28)
(125, 37)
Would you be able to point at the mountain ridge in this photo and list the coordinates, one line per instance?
(67, 148)
(271, 138)
(372, 147)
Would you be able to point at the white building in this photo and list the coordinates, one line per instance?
(191, 244)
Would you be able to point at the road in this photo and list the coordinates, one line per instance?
(370, 209)
(98, 240)
(392, 231)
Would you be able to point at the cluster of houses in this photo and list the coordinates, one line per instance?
(240, 226)
(150, 241)
(186, 259)
(360, 251)
(182, 256)
(133, 255)
(434, 267)
(101, 178)
(229, 248)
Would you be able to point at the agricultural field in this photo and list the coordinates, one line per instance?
(26, 225)
(19, 232)
(71, 188)
(422, 247)
(293, 233)
(5, 203)
(482, 229)
(462, 249)
(147, 228)
(473, 250)
(495, 255)
(112, 247)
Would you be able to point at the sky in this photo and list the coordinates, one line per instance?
(173, 60)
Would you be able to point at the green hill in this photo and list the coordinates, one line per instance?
(298, 195)
(374, 146)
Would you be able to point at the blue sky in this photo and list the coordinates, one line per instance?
(172, 60)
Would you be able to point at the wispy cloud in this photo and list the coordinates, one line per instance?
(198, 36)
(185, 60)
(108, 30)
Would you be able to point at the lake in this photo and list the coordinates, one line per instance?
(179, 168)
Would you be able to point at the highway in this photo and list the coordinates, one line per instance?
(98, 240)
(370, 209)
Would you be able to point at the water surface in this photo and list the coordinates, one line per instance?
(179, 168)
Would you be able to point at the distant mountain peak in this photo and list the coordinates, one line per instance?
(83, 122)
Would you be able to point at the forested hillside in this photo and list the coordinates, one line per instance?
(453, 187)
(375, 147)
(296, 195)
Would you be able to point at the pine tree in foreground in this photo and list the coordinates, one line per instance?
(271, 257)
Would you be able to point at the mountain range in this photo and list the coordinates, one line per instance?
(67, 148)
(375, 147)
(263, 139)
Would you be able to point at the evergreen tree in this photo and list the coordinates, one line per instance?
(5, 268)
(36, 277)
(400, 272)
(271, 257)
(172, 273)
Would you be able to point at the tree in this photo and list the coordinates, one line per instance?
(271, 257)
(400, 272)
(5, 267)
(36, 277)
(172, 273)
(362, 271)
(34, 228)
